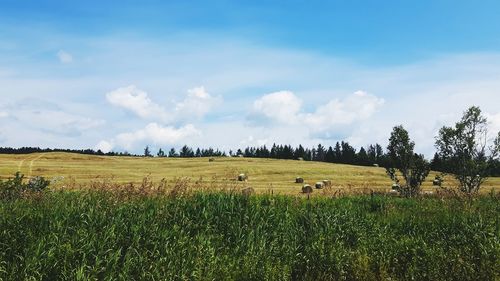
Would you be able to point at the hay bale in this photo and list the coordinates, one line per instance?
(240, 155)
(299, 180)
(393, 192)
(327, 183)
(375, 165)
(319, 185)
(211, 159)
(395, 186)
(300, 159)
(248, 191)
(242, 177)
(437, 180)
(307, 189)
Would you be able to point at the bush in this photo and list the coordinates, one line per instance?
(15, 187)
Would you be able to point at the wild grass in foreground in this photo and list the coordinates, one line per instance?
(99, 235)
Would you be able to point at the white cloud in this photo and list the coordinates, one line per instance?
(64, 57)
(251, 141)
(493, 124)
(56, 121)
(4, 114)
(356, 107)
(286, 108)
(157, 134)
(137, 101)
(282, 106)
(196, 105)
(104, 146)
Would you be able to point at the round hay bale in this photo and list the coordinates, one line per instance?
(307, 189)
(242, 177)
(211, 159)
(248, 191)
(393, 192)
(327, 183)
(319, 185)
(240, 155)
(375, 165)
(300, 159)
(299, 180)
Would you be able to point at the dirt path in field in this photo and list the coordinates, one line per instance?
(30, 167)
(20, 165)
(31, 164)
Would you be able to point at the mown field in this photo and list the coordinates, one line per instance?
(99, 235)
(264, 174)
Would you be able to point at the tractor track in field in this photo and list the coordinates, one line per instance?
(30, 167)
(31, 164)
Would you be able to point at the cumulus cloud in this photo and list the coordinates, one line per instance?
(358, 106)
(64, 57)
(286, 108)
(104, 146)
(282, 106)
(157, 134)
(196, 105)
(137, 101)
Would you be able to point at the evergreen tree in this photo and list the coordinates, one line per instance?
(172, 153)
(147, 152)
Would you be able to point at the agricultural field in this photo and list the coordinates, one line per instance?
(101, 229)
(264, 175)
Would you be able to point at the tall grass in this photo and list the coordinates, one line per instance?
(97, 235)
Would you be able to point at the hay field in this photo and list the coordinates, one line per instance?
(264, 174)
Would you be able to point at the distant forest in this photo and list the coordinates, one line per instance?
(341, 152)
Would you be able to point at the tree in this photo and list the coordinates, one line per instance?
(411, 166)
(147, 152)
(362, 157)
(186, 151)
(172, 153)
(464, 151)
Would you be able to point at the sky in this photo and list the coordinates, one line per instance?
(121, 75)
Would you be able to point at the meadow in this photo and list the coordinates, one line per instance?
(105, 221)
(265, 175)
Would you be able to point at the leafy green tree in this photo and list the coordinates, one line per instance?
(406, 163)
(464, 150)
(160, 153)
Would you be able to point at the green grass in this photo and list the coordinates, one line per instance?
(98, 235)
(264, 174)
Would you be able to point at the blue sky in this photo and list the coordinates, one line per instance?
(233, 73)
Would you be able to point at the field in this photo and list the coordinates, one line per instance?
(264, 174)
(111, 232)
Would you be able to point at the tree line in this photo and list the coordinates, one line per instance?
(27, 150)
